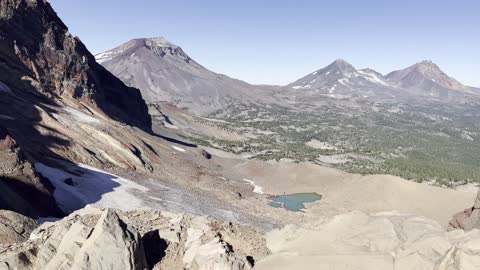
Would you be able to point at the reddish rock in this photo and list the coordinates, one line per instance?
(460, 220)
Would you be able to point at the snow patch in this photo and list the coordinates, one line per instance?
(343, 81)
(103, 57)
(179, 149)
(82, 117)
(90, 187)
(302, 87)
(372, 77)
(314, 73)
(332, 88)
(256, 188)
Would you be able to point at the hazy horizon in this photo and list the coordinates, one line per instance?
(278, 42)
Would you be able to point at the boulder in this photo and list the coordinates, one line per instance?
(468, 219)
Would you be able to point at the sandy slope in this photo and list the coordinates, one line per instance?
(384, 241)
(343, 192)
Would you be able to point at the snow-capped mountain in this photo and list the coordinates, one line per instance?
(164, 72)
(340, 78)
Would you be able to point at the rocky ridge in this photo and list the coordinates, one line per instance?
(141, 239)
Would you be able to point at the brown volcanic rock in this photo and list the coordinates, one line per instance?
(36, 47)
(21, 188)
(468, 219)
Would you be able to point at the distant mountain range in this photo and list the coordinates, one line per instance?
(341, 79)
(164, 72)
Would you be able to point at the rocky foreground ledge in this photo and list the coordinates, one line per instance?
(142, 239)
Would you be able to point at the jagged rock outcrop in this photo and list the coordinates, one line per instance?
(108, 245)
(22, 189)
(142, 239)
(15, 228)
(37, 51)
(53, 97)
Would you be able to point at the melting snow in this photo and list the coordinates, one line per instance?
(343, 81)
(372, 77)
(256, 188)
(103, 57)
(179, 149)
(332, 88)
(302, 87)
(91, 187)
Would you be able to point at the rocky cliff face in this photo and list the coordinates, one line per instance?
(44, 72)
(37, 53)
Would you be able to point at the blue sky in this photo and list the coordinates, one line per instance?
(279, 41)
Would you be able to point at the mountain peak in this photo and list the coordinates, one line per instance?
(159, 46)
(427, 65)
(158, 42)
(341, 65)
(426, 62)
(426, 75)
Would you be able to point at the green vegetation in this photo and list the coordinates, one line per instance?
(421, 142)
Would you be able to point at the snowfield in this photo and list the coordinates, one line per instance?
(78, 186)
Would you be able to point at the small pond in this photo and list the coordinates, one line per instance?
(294, 202)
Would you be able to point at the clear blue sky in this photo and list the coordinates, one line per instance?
(279, 41)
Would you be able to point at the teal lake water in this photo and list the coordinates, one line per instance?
(294, 202)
